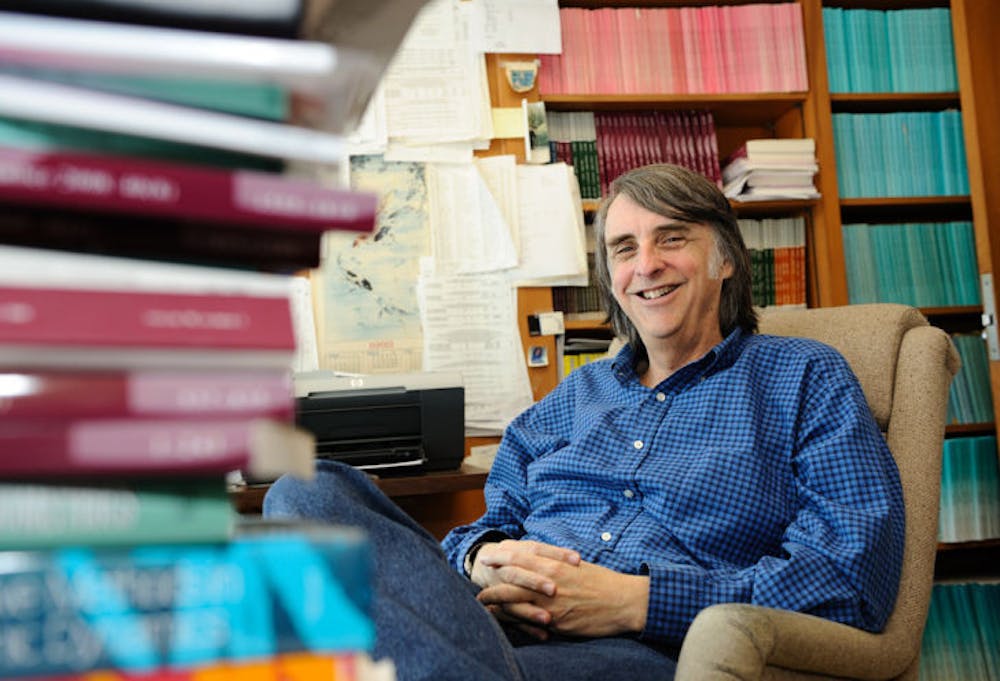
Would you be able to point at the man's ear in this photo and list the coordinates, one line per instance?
(727, 269)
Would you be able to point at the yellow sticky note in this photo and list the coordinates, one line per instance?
(508, 122)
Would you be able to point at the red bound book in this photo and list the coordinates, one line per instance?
(40, 448)
(160, 238)
(33, 394)
(106, 183)
(63, 327)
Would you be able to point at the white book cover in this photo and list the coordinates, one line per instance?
(783, 145)
(41, 268)
(332, 84)
(82, 108)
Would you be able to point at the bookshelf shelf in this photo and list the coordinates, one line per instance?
(596, 4)
(772, 208)
(967, 560)
(933, 313)
(964, 429)
(745, 208)
(751, 109)
(906, 208)
(594, 323)
(884, 4)
(895, 101)
(966, 545)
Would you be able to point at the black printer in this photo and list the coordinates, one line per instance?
(386, 424)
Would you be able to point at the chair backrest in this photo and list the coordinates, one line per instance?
(905, 367)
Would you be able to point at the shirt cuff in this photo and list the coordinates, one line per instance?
(486, 537)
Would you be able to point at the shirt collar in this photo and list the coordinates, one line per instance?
(719, 357)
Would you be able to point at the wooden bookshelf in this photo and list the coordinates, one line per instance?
(810, 114)
(893, 101)
(747, 208)
(728, 110)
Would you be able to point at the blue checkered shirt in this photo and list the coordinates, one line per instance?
(755, 474)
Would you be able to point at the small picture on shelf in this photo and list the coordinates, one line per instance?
(538, 356)
(536, 140)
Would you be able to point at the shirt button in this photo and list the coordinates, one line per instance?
(628, 494)
(660, 397)
(606, 536)
(637, 444)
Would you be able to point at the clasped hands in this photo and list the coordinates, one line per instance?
(541, 588)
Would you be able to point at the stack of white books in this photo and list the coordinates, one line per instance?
(771, 169)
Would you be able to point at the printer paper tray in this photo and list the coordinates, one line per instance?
(374, 455)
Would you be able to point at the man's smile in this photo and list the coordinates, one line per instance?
(659, 292)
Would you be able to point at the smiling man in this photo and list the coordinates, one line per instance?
(704, 463)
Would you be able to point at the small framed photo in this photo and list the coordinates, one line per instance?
(538, 356)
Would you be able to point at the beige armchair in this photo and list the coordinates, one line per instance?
(905, 367)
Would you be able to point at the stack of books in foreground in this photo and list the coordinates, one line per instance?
(771, 170)
(150, 226)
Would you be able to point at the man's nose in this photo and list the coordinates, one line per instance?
(648, 260)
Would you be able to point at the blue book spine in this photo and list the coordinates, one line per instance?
(68, 611)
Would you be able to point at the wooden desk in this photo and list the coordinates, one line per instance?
(438, 501)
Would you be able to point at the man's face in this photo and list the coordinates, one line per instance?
(666, 276)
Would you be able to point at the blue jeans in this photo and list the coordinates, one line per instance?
(427, 618)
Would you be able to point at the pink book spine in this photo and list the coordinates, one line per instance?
(135, 186)
(647, 50)
(623, 23)
(88, 447)
(678, 77)
(119, 394)
(80, 317)
(549, 74)
(614, 71)
(691, 44)
(757, 25)
(711, 49)
(728, 59)
(594, 51)
(571, 50)
(794, 73)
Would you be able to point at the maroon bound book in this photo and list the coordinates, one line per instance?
(118, 329)
(144, 318)
(118, 184)
(39, 394)
(136, 447)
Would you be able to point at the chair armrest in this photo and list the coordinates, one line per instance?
(757, 637)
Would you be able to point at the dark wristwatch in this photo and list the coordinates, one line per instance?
(490, 537)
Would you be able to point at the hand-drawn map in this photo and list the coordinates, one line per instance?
(369, 317)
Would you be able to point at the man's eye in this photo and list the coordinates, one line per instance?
(623, 249)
